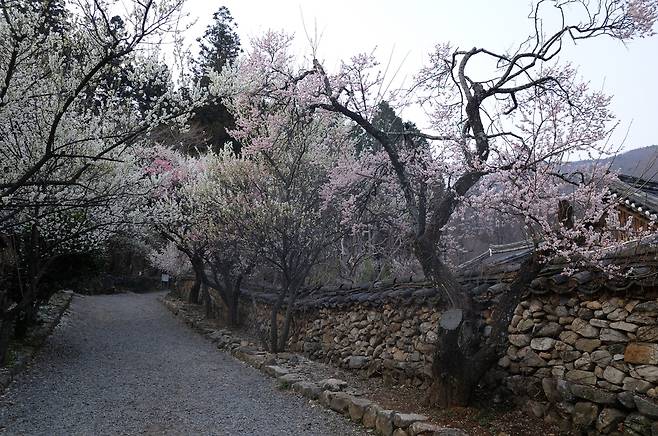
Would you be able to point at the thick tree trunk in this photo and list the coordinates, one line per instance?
(207, 301)
(6, 329)
(233, 312)
(274, 325)
(26, 319)
(199, 274)
(193, 296)
(463, 354)
(454, 380)
(228, 288)
(20, 326)
(440, 275)
(460, 361)
(262, 335)
(285, 332)
(234, 303)
(504, 310)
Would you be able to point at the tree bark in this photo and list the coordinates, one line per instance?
(274, 326)
(439, 274)
(463, 354)
(26, 319)
(229, 289)
(454, 381)
(20, 326)
(234, 303)
(199, 274)
(207, 301)
(283, 339)
(233, 311)
(193, 296)
(6, 329)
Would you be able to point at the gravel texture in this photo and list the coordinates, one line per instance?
(122, 364)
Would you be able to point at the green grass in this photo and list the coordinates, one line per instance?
(10, 359)
(484, 418)
(283, 385)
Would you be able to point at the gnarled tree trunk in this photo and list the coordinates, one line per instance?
(464, 354)
(229, 289)
(234, 302)
(199, 274)
(193, 296)
(206, 300)
(27, 315)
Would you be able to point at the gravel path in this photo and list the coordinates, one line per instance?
(122, 364)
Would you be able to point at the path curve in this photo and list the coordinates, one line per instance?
(123, 365)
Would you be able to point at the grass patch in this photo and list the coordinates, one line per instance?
(284, 385)
(10, 359)
(485, 417)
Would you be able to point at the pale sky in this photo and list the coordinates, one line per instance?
(411, 28)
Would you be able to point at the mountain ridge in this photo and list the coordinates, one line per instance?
(639, 162)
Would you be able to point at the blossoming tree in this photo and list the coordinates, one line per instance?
(172, 210)
(503, 135)
(280, 213)
(65, 129)
(187, 207)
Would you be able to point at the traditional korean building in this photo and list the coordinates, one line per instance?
(639, 200)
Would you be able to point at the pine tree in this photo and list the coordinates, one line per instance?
(219, 47)
(388, 121)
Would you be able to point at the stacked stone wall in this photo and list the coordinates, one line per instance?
(393, 341)
(586, 362)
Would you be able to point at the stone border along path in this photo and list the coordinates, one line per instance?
(331, 393)
(50, 315)
(122, 365)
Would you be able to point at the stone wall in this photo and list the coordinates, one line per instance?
(393, 341)
(387, 330)
(585, 362)
(583, 353)
(579, 361)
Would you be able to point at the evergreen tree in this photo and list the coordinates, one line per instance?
(118, 79)
(219, 47)
(388, 121)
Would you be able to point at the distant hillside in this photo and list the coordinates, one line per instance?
(641, 162)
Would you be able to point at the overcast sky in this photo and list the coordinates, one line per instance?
(411, 28)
